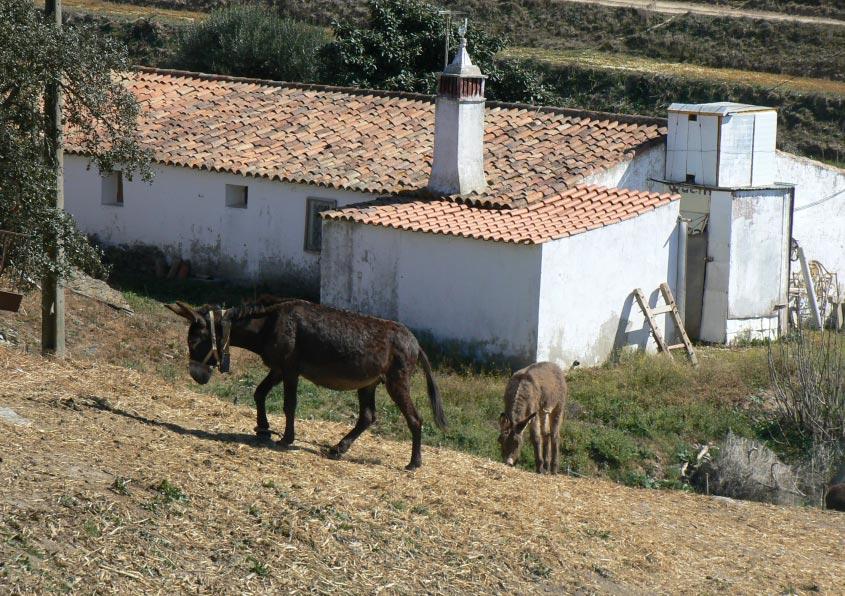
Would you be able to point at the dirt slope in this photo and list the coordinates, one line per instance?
(121, 483)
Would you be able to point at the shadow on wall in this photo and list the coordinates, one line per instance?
(477, 356)
(636, 338)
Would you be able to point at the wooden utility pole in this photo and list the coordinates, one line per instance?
(53, 292)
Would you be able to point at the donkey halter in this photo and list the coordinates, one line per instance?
(213, 351)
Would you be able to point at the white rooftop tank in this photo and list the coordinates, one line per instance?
(721, 144)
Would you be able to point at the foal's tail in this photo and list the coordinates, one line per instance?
(433, 393)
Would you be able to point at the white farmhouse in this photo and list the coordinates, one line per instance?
(511, 231)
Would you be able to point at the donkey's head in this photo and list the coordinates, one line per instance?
(510, 436)
(208, 340)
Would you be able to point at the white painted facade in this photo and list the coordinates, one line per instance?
(587, 309)
(721, 144)
(185, 213)
(458, 162)
(564, 300)
(819, 213)
(477, 295)
(637, 173)
(747, 276)
(721, 158)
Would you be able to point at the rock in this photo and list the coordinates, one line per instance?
(12, 417)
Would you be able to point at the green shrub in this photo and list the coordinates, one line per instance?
(251, 41)
(401, 48)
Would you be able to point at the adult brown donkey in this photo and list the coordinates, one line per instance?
(332, 348)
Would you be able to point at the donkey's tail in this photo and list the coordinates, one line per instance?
(433, 393)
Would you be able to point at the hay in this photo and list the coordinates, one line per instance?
(85, 509)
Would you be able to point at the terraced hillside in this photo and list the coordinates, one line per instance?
(114, 481)
(780, 47)
(825, 8)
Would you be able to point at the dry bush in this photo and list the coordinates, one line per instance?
(746, 469)
(808, 381)
(815, 471)
(808, 378)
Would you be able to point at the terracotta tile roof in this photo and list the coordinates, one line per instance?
(573, 211)
(369, 141)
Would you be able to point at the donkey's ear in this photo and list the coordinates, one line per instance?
(183, 310)
(189, 312)
(178, 310)
(504, 421)
(517, 430)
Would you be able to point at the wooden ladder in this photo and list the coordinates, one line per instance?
(672, 308)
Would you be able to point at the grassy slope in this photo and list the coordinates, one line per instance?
(634, 422)
(124, 483)
(627, 63)
(802, 50)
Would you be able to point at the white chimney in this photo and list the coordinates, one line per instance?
(458, 166)
(721, 144)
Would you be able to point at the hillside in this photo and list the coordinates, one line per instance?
(115, 481)
(802, 49)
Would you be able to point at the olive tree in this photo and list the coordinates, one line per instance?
(401, 48)
(99, 117)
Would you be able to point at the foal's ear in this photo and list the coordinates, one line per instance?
(517, 430)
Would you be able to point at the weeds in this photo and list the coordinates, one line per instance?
(167, 493)
(91, 529)
(257, 567)
(535, 567)
(120, 486)
(171, 492)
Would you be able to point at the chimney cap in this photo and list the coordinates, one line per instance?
(461, 64)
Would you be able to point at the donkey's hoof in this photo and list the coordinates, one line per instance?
(263, 434)
(414, 465)
(331, 452)
(286, 446)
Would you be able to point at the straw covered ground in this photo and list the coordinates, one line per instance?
(115, 481)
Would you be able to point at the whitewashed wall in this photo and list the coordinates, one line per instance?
(634, 174)
(184, 212)
(747, 268)
(759, 248)
(819, 216)
(587, 309)
(714, 311)
(479, 296)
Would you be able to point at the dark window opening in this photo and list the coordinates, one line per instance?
(314, 224)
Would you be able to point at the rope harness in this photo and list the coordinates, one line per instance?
(221, 356)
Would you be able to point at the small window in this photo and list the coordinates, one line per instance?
(690, 178)
(111, 189)
(693, 117)
(313, 224)
(236, 196)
